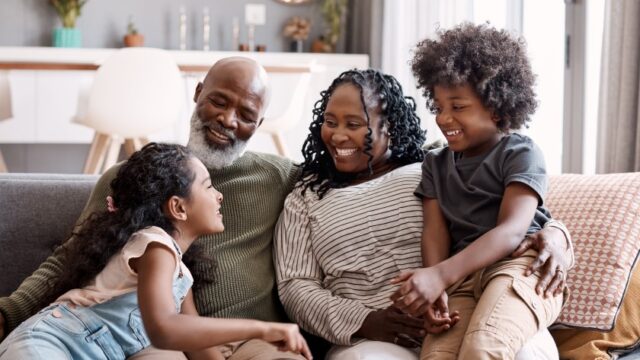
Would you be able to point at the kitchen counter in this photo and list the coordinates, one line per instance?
(49, 88)
(50, 58)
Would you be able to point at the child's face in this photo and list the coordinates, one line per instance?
(468, 126)
(344, 131)
(204, 203)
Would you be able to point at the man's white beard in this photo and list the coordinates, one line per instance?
(213, 156)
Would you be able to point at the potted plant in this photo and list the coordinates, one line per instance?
(333, 12)
(68, 11)
(133, 38)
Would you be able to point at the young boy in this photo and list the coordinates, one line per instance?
(481, 195)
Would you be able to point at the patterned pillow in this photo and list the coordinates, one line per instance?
(602, 212)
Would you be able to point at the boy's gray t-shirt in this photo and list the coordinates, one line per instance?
(470, 190)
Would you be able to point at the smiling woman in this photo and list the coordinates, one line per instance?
(363, 128)
(355, 137)
(363, 152)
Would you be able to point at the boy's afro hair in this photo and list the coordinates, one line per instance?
(492, 61)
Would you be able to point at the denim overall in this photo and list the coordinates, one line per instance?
(111, 330)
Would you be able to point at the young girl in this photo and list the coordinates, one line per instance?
(127, 287)
(481, 195)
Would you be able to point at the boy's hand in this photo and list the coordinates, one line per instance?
(420, 289)
(287, 337)
(437, 317)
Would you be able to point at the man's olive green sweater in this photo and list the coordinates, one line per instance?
(254, 189)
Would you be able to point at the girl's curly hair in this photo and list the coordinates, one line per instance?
(493, 62)
(140, 189)
(397, 112)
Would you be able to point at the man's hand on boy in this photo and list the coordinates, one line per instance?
(419, 289)
(549, 242)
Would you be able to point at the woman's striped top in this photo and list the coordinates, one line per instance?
(335, 256)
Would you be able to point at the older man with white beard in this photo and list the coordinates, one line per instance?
(230, 105)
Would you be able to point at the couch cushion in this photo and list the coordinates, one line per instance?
(37, 213)
(578, 344)
(602, 212)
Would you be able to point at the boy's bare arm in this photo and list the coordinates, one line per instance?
(436, 240)
(517, 209)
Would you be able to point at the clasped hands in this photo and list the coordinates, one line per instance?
(422, 291)
(422, 294)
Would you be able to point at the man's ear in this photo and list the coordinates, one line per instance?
(196, 95)
(175, 208)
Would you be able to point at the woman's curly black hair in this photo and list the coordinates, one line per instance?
(397, 112)
(493, 62)
(142, 186)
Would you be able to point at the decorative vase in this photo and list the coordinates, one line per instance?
(319, 45)
(67, 37)
(297, 46)
(133, 40)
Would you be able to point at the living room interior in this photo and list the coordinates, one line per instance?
(585, 55)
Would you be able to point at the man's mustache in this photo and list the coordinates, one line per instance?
(217, 128)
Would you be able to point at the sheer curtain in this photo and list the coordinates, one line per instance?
(407, 22)
(619, 112)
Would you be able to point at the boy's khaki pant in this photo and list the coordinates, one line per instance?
(499, 311)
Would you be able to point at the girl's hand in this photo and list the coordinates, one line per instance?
(419, 290)
(437, 317)
(287, 337)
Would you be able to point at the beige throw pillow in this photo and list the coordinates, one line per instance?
(602, 212)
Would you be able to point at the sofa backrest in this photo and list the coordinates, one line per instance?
(37, 212)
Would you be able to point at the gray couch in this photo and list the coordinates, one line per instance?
(37, 212)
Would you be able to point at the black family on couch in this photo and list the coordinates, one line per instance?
(230, 105)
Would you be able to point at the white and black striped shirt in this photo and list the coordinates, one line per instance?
(335, 256)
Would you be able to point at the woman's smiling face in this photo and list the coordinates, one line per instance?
(344, 131)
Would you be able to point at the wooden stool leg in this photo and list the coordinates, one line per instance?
(130, 147)
(134, 144)
(280, 145)
(3, 165)
(112, 154)
(96, 154)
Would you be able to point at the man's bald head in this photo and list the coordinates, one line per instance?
(230, 106)
(245, 69)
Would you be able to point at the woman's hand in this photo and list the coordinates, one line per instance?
(394, 326)
(287, 337)
(420, 289)
(550, 243)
